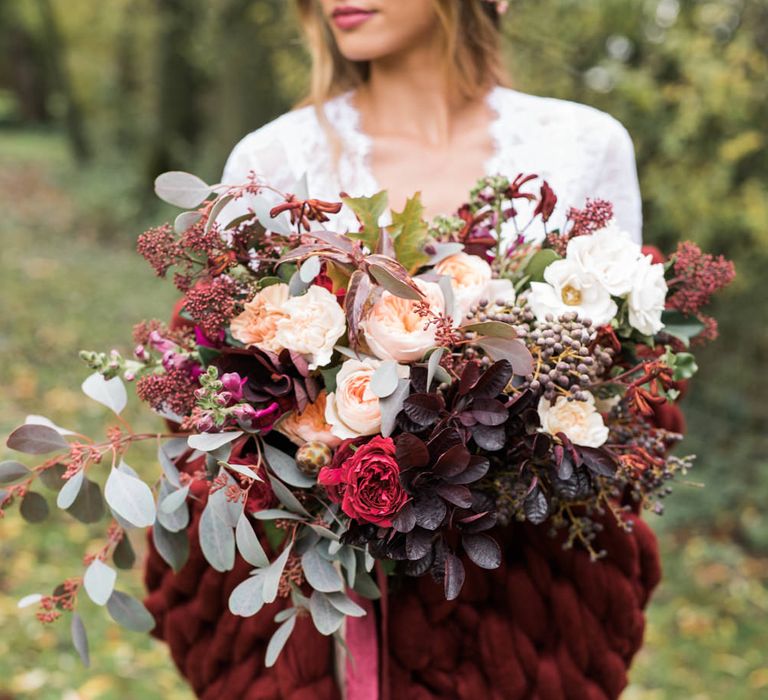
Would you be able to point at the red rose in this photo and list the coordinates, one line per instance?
(366, 482)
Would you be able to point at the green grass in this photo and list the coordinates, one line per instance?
(66, 286)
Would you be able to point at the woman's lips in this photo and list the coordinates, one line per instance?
(349, 17)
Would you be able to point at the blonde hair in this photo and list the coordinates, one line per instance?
(471, 40)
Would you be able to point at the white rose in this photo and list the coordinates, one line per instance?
(394, 331)
(610, 255)
(311, 325)
(579, 421)
(647, 297)
(569, 287)
(353, 409)
(472, 280)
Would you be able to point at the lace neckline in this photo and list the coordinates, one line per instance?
(358, 145)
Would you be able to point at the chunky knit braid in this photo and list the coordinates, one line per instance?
(549, 624)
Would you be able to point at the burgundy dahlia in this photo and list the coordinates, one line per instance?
(366, 482)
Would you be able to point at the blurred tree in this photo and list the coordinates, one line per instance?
(22, 66)
(55, 51)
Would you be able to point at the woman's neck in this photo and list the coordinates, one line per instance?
(409, 95)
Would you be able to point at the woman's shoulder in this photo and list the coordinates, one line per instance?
(555, 115)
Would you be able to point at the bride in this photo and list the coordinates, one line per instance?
(409, 96)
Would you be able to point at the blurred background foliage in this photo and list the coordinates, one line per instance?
(96, 98)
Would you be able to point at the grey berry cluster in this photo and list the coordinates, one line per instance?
(568, 360)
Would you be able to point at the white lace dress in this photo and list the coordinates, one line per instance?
(581, 151)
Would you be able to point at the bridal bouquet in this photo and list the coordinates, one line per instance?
(393, 394)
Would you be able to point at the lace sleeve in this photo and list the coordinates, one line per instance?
(617, 181)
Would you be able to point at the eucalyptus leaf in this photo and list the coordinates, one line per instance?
(346, 555)
(392, 405)
(226, 510)
(166, 456)
(130, 498)
(182, 189)
(217, 540)
(208, 442)
(310, 269)
(278, 641)
(248, 543)
(123, 555)
(216, 209)
(285, 467)
(88, 507)
(13, 471)
(285, 614)
(276, 514)
(173, 547)
(345, 605)
(34, 508)
(70, 490)
(179, 518)
(173, 501)
(80, 639)
(320, 573)
(186, 220)
(52, 476)
(432, 364)
(130, 613)
(108, 392)
(99, 581)
(33, 419)
(385, 379)
(243, 470)
(273, 573)
(36, 440)
(325, 616)
(366, 586)
(286, 497)
(29, 600)
(247, 597)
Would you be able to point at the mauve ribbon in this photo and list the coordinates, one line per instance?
(365, 670)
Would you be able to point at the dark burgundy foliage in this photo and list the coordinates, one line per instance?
(284, 378)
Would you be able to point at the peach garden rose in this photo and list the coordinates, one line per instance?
(471, 279)
(353, 409)
(309, 425)
(309, 324)
(395, 331)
